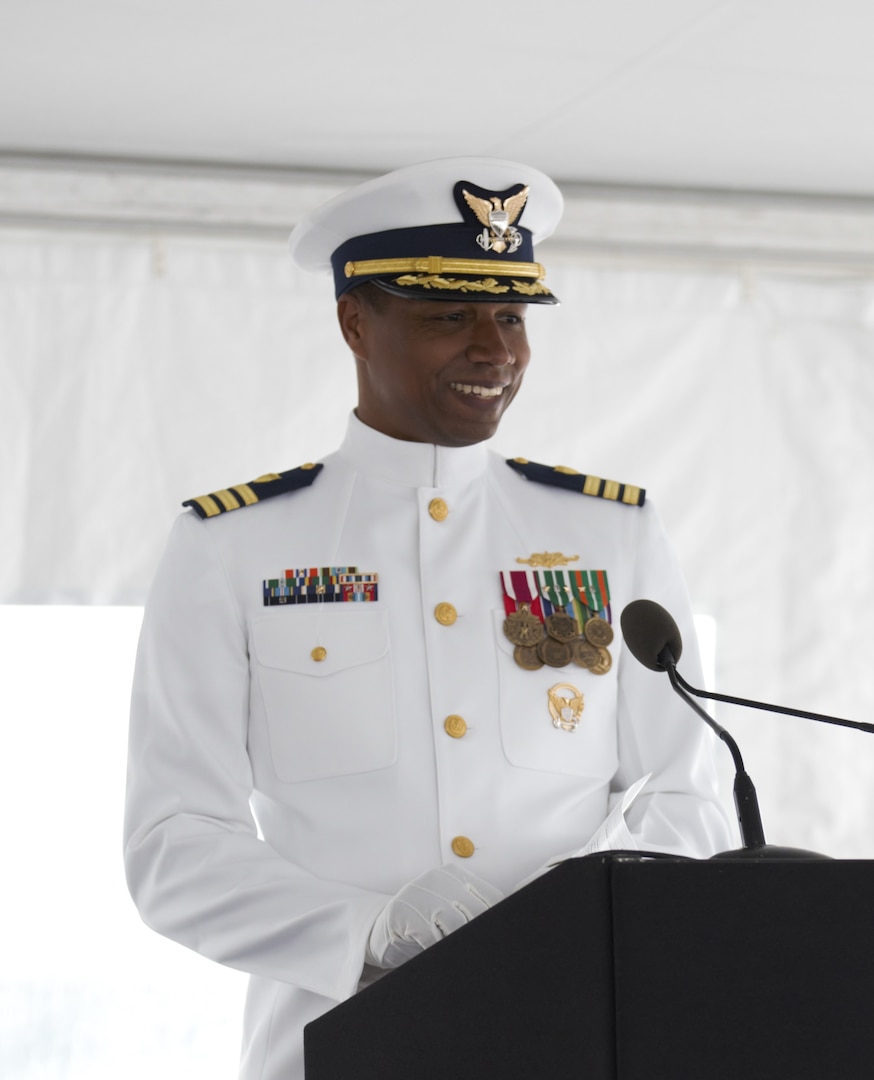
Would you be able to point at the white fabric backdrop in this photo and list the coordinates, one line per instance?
(137, 371)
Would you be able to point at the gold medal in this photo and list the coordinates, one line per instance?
(554, 653)
(523, 628)
(585, 654)
(598, 631)
(604, 664)
(561, 626)
(526, 657)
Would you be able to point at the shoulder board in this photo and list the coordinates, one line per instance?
(563, 477)
(265, 487)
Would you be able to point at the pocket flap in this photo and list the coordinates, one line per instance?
(287, 640)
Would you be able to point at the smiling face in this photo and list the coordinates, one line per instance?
(435, 371)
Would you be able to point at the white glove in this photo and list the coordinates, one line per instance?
(425, 911)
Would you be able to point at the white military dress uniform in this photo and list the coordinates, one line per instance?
(354, 779)
(373, 741)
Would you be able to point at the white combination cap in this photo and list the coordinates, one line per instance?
(441, 230)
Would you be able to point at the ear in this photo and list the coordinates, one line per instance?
(352, 317)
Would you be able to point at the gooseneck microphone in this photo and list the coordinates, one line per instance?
(648, 628)
(654, 639)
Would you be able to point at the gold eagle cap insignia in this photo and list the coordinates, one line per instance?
(511, 206)
(498, 217)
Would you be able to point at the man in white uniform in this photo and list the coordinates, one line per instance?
(400, 661)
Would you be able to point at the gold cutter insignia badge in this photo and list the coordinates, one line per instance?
(565, 706)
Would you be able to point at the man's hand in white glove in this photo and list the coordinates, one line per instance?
(425, 911)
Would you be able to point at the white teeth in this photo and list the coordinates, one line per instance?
(480, 391)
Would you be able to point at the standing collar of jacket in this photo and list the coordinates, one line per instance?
(409, 463)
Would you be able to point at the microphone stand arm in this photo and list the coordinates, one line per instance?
(746, 802)
(857, 724)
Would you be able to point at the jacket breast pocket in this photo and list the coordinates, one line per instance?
(329, 712)
(529, 735)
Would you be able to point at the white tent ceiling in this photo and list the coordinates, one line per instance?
(768, 95)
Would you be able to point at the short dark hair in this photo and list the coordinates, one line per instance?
(373, 296)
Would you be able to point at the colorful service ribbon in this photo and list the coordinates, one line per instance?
(325, 585)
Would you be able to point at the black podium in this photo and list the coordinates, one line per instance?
(615, 969)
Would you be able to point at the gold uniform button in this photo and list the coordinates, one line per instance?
(438, 509)
(445, 614)
(462, 847)
(319, 653)
(455, 726)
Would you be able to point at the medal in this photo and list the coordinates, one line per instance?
(556, 596)
(523, 628)
(561, 626)
(526, 657)
(554, 653)
(585, 654)
(598, 631)
(545, 610)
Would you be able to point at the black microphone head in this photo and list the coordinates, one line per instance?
(647, 629)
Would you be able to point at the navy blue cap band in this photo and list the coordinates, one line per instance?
(447, 241)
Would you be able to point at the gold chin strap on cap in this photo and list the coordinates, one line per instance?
(436, 264)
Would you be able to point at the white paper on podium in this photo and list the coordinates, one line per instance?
(612, 834)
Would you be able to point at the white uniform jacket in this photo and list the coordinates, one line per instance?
(355, 783)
